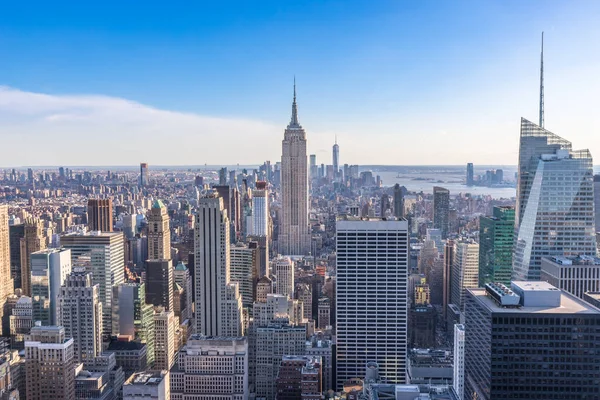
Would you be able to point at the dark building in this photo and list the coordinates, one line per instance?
(100, 215)
(299, 378)
(470, 174)
(16, 233)
(441, 209)
(398, 201)
(130, 355)
(447, 275)
(532, 342)
(422, 320)
(159, 283)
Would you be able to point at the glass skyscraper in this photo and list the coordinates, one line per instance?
(496, 238)
(555, 201)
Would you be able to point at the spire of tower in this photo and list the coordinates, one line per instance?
(542, 84)
(294, 121)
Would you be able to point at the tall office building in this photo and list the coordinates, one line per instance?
(159, 234)
(304, 294)
(102, 254)
(458, 378)
(182, 277)
(144, 180)
(336, 158)
(164, 339)
(243, 270)
(49, 271)
(100, 215)
(441, 209)
(496, 240)
(314, 168)
(132, 316)
(159, 283)
(260, 210)
(465, 270)
(284, 273)
(470, 180)
(16, 233)
(6, 282)
(372, 267)
(80, 313)
(447, 275)
(555, 201)
(597, 201)
(398, 201)
(294, 235)
(531, 342)
(213, 294)
(32, 241)
(50, 364)
(211, 367)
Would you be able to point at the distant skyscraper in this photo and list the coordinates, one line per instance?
(103, 255)
(6, 282)
(470, 174)
(223, 176)
(555, 201)
(49, 271)
(496, 240)
(80, 313)
(100, 215)
(314, 168)
(213, 297)
(260, 210)
(50, 364)
(465, 270)
(284, 272)
(144, 181)
(336, 158)
(294, 236)
(159, 283)
(159, 234)
(372, 257)
(398, 201)
(16, 233)
(33, 241)
(441, 209)
(531, 342)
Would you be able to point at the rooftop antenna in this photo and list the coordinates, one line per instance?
(542, 85)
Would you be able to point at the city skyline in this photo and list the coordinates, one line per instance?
(469, 90)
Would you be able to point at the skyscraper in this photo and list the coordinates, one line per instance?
(372, 268)
(284, 272)
(164, 339)
(103, 255)
(447, 275)
(6, 282)
(50, 364)
(80, 313)
(32, 241)
(144, 175)
(465, 270)
(336, 159)
(159, 283)
(16, 233)
(294, 236)
(100, 215)
(496, 239)
(49, 271)
(244, 271)
(470, 174)
(398, 201)
(458, 377)
(159, 234)
(183, 278)
(597, 201)
(531, 342)
(260, 210)
(555, 201)
(212, 250)
(441, 209)
(314, 168)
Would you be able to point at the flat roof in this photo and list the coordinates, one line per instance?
(569, 304)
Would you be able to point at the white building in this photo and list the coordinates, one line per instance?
(148, 385)
(260, 212)
(243, 270)
(211, 367)
(294, 235)
(284, 272)
(465, 270)
(212, 251)
(575, 275)
(164, 339)
(80, 313)
(458, 379)
(371, 297)
(278, 306)
(49, 270)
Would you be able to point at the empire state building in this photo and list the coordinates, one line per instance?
(294, 236)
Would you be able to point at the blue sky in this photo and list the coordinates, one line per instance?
(422, 82)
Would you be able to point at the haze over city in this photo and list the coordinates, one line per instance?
(398, 83)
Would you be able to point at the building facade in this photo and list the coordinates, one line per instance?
(441, 209)
(496, 240)
(576, 275)
(6, 281)
(465, 270)
(33, 240)
(100, 215)
(49, 270)
(284, 273)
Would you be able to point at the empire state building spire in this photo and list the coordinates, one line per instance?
(294, 121)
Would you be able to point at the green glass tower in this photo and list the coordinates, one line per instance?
(496, 235)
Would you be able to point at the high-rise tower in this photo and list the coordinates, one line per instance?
(336, 158)
(294, 236)
(33, 241)
(100, 215)
(441, 209)
(6, 282)
(159, 235)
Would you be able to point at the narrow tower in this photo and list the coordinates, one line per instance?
(542, 85)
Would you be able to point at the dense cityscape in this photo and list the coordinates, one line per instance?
(304, 277)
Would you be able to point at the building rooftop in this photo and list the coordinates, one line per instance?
(147, 378)
(180, 266)
(576, 260)
(121, 345)
(353, 218)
